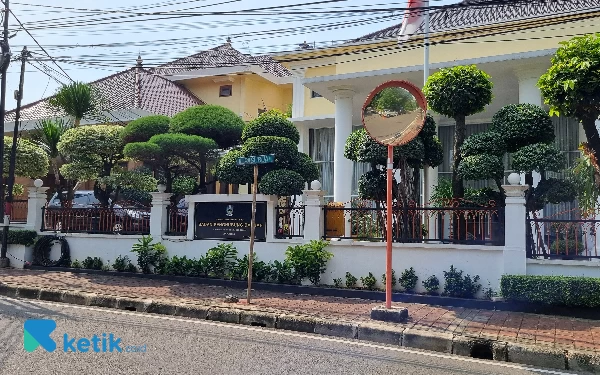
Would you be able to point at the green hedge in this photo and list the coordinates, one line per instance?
(552, 290)
(21, 237)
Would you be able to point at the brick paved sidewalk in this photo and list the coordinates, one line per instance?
(553, 331)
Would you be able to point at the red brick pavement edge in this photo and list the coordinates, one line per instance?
(463, 332)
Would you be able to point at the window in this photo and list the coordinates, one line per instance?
(225, 90)
(314, 94)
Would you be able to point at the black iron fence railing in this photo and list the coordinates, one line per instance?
(412, 224)
(177, 221)
(115, 220)
(289, 221)
(552, 238)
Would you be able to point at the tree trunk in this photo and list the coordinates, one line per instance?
(593, 140)
(459, 226)
(202, 184)
(77, 122)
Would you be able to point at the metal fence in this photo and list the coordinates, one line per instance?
(116, 220)
(17, 210)
(557, 237)
(412, 224)
(289, 221)
(177, 221)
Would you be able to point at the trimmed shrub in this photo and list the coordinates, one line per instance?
(460, 286)
(552, 290)
(285, 150)
(210, 121)
(281, 182)
(408, 280)
(368, 282)
(142, 129)
(271, 123)
(21, 237)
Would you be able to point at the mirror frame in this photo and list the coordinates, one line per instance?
(408, 86)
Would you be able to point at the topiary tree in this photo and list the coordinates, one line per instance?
(458, 92)
(31, 161)
(571, 87)
(270, 133)
(143, 128)
(210, 122)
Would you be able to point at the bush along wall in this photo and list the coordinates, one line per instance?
(552, 290)
(21, 237)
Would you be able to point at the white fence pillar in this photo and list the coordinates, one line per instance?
(313, 214)
(36, 201)
(515, 262)
(158, 214)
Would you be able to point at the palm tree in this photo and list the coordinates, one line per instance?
(47, 134)
(77, 100)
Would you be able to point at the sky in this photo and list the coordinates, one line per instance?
(93, 39)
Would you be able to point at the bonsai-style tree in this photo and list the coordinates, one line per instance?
(31, 159)
(270, 133)
(571, 87)
(77, 100)
(213, 122)
(94, 153)
(458, 92)
(170, 155)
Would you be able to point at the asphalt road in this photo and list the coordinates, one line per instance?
(189, 346)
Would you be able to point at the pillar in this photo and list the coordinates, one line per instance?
(36, 201)
(342, 167)
(298, 92)
(515, 237)
(159, 218)
(313, 214)
(529, 93)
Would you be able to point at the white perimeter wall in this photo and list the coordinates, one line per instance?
(544, 267)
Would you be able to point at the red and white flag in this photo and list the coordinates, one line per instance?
(413, 18)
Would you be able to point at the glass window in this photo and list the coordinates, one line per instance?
(225, 90)
(321, 146)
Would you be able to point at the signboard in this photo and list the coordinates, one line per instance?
(259, 159)
(229, 220)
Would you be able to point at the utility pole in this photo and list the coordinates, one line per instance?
(4, 62)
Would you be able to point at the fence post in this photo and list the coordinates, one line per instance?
(158, 214)
(515, 261)
(36, 201)
(313, 212)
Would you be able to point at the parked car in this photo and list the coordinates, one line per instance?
(86, 215)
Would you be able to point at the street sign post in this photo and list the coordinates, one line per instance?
(253, 160)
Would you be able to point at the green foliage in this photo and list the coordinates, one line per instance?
(442, 195)
(460, 286)
(123, 264)
(369, 281)
(582, 176)
(408, 280)
(47, 133)
(350, 281)
(309, 260)
(20, 237)
(271, 123)
(283, 272)
(306, 167)
(552, 290)
(149, 254)
(210, 121)
(431, 285)
(220, 260)
(571, 86)
(394, 99)
(434, 152)
(284, 149)
(144, 128)
(183, 185)
(360, 147)
(394, 281)
(31, 159)
(281, 182)
(78, 100)
(481, 167)
(338, 283)
(228, 170)
(458, 91)
(539, 157)
(76, 264)
(90, 263)
(488, 143)
(520, 125)
(553, 190)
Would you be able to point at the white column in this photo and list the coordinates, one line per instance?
(515, 237)
(36, 200)
(313, 214)
(342, 167)
(298, 95)
(159, 218)
(529, 93)
(191, 228)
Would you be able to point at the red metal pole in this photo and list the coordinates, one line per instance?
(388, 261)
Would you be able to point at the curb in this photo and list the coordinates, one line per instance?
(373, 331)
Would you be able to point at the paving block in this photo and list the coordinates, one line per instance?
(427, 340)
(133, 304)
(380, 333)
(224, 315)
(296, 323)
(8, 290)
(583, 361)
(28, 292)
(51, 295)
(258, 318)
(336, 328)
(162, 308)
(392, 315)
(192, 311)
(540, 356)
(102, 301)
